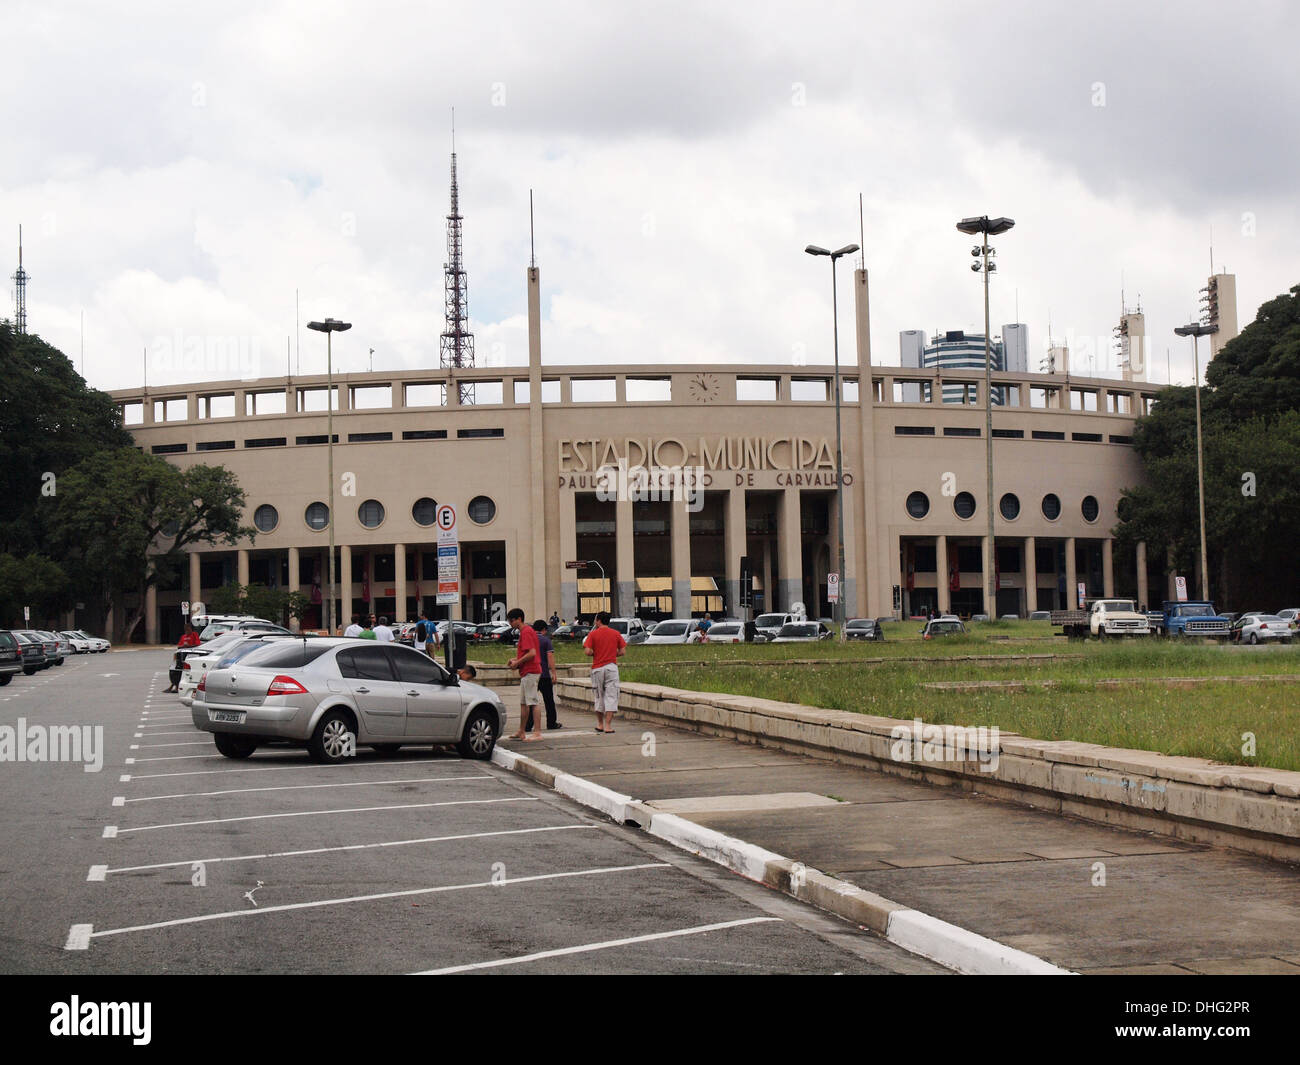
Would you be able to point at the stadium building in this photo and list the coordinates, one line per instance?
(532, 466)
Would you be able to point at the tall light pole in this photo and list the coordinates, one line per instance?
(848, 249)
(1196, 330)
(986, 227)
(329, 326)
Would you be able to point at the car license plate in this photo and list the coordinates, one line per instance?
(236, 716)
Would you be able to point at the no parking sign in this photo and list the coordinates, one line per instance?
(448, 556)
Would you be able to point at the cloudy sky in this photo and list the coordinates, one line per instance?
(180, 171)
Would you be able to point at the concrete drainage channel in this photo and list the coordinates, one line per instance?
(917, 932)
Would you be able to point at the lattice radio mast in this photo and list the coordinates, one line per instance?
(20, 290)
(457, 349)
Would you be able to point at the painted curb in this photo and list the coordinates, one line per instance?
(914, 931)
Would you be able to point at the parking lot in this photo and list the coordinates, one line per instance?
(175, 859)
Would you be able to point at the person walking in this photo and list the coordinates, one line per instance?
(355, 628)
(555, 621)
(367, 633)
(528, 660)
(604, 646)
(382, 632)
(546, 686)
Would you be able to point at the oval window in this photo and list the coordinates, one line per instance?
(317, 515)
(1051, 506)
(266, 518)
(964, 505)
(918, 505)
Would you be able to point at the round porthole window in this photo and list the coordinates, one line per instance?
(482, 510)
(266, 518)
(424, 511)
(371, 513)
(1010, 506)
(317, 515)
(1051, 506)
(918, 505)
(964, 505)
(1090, 508)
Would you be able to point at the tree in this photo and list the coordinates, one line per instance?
(33, 581)
(259, 600)
(50, 420)
(124, 519)
(1251, 441)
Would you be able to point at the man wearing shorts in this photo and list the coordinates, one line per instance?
(604, 646)
(528, 660)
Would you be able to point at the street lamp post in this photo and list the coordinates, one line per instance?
(848, 249)
(593, 562)
(986, 227)
(328, 327)
(1196, 330)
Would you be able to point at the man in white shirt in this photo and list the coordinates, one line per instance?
(382, 632)
(355, 628)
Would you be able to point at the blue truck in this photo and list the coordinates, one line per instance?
(1195, 618)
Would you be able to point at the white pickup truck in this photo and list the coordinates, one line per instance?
(1117, 617)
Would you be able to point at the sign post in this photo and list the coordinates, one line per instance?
(1180, 588)
(833, 597)
(448, 573)
(1083, 594)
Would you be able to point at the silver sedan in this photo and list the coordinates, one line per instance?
(332, 695)
(1256, 628)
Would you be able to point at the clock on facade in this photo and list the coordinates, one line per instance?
(703, 388)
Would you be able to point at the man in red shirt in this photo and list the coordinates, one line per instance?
(528, 660)
(604, 646)
(189, 638)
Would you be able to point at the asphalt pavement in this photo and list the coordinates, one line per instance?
(173, 859)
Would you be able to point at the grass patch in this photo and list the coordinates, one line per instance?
(1204, 722)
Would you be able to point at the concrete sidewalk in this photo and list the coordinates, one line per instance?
(1082, 896)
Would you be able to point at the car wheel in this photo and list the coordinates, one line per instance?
(28, 670)
(59, 662)
(335, 738)
(9, 676)
(479, 737)
(234, 746)
(387, 749)
(1253, 638)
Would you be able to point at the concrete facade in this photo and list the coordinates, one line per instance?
(739, 461)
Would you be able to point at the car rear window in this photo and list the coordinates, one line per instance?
(365, 663)
(7, 640)
(675, 629)
(278, 654)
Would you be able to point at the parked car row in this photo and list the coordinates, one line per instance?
(28, 651)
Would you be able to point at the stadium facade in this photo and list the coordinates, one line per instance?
(668, 476)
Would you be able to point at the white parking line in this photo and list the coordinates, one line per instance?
(79, 935)
(318, 813)
(293, 765)
(172, 758)
(99, 872)
(189, 743)
(304, 787)
(586, 948)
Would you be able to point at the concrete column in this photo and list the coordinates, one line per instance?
(1031, 575)
(941, 574)
(1071, 577)
(241, 563)
(734, 541)
(681, 556)
(1143, 591)
(399, 582)
(850, 586)
(196, 582)
(624, 557)
(789, 546)
(151, 614)
(536, 514)
(769, 593)
(345, 584)
(1108, 567)
(568, 552)
(292, 584)
(987, 569)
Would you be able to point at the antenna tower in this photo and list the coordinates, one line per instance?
(20, 290)
(457, 349)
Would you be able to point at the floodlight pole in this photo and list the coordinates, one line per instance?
(329, 327)
(1197, 330)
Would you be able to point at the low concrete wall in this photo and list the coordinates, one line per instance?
(1254, 810)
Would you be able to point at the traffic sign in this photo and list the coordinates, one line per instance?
(833, 587)
(445, 518)
(1180, 588)
(185, 608)
(27, 615)
(1083, 594)
(577, 564)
